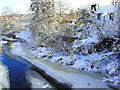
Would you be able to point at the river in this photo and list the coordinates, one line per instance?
(55, 75)
(19, 70)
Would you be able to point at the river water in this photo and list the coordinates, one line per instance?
(20, 71)
(17, 71)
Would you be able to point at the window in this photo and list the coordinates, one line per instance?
(93, 8)
(111, 16)
(99, 16)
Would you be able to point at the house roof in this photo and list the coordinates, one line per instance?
(106, 8)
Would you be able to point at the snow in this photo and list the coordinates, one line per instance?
(89, 35)
(106, 8)
(4, 80)
(112, 65)
(19, 49)
(10, 39)
(115, 80)
(86, 41)
(25, 34)
(3, 42)
(41, 51)
(64, 74)
(62, 59)
(37, 81)
(82, 62)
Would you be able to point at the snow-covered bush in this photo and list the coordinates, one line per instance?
(43, 23)
(45, 28)
(92, 45)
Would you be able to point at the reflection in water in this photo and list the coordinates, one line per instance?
(12, 46)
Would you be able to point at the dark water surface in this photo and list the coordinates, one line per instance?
(17, 70)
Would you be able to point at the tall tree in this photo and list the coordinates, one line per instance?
(43, 10)
(43, 22)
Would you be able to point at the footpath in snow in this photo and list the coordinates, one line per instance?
(63, 74)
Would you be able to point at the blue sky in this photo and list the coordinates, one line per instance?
(17, 5)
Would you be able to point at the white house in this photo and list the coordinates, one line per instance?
(104, 12)
(117, 12)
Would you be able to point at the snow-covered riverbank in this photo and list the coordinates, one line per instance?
(37, 81)
(75, 78)
(4, 79)
(96, 51)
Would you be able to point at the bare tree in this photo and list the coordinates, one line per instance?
(8, 20)
(62, 7)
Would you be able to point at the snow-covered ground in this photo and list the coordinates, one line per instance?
(103, 61)
(4, 79)
(6, 38)
(37, 81)
(25, 34)
(76, 78)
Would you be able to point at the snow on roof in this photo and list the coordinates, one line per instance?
(117, 1)
(106, 8)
